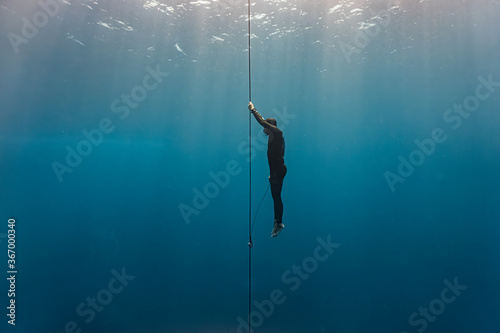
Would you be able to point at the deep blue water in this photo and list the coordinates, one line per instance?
(124, 162)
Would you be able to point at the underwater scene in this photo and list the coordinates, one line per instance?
(207, 166)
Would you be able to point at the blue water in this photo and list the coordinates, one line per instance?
(124, 163)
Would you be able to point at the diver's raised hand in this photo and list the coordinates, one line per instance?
(250, 106)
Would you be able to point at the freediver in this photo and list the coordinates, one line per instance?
(277, 167)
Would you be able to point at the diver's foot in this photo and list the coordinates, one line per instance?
(278, 226)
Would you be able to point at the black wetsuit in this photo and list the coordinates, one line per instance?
(277, 167)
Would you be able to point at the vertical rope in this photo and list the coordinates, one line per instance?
(250, 179)
(249, 58)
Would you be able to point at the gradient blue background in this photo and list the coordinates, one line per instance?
(351, 120)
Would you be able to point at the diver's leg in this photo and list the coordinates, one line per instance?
(278, 203)
(276, 180)
(276, 186)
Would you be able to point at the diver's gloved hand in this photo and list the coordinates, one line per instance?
(251, 107)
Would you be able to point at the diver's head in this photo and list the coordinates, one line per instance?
(272, 121)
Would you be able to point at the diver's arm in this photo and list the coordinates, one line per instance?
(261, 119)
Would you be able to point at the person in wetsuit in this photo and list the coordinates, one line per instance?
(277, 167)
